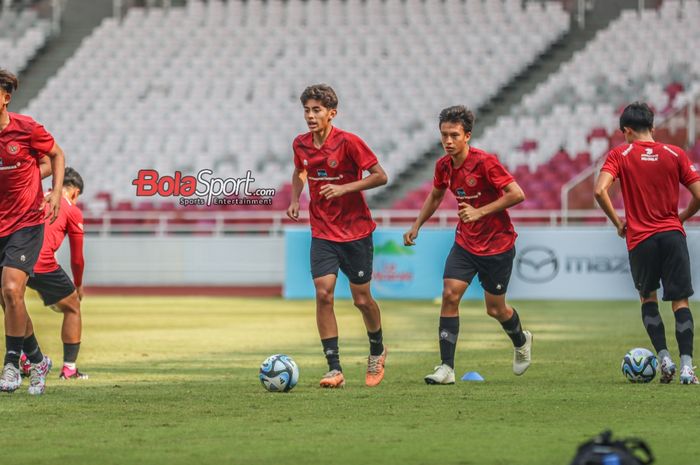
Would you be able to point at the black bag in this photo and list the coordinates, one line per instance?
(602, 450)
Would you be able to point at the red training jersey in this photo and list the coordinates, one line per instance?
(478, 181)
(341, 160)
(649, 174)
(22, 143)
(69, 222)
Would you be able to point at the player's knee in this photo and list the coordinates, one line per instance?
(496, 311)
(324, 297)
(450, 297)
(12, 294)
(363, 302)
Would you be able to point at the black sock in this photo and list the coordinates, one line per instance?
(32, 350)
(330, 348)
(70, 352)
(13, 346)
(654, 325)
(448, 332)
(684, 331)
(514, 330)
(376, 346)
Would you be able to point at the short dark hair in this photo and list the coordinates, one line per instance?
(8, 81)
(321, 92)
(458, 114)
(72, 178)
(638, 117)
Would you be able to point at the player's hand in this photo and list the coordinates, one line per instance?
(409, 237)
(53, 199)
(331, 191)
(683, 216)
(293, 211)
(469, 214)
(81, 293)
(622, 230)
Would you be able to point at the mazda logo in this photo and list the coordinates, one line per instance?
(537, 264)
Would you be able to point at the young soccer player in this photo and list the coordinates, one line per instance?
(485, 239)
(53, 284)
(22, 214)
(650, 173)
(333, 161)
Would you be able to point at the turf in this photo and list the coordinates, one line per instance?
(175, 381)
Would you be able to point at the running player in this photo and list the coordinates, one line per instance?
(23, 142)
(53, 284)
(341, 224)
(650, 173)
(485, 238)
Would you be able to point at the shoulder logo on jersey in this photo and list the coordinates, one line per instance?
(13, 148)
(649, 155)
(471, 181)
(322, 173)
(693, 168)
(332, 163)
(306, 162)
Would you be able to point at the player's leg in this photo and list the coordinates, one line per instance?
(324, 270)
(71, 332)
(645, 266)
(678, 288)
(460, 269)
(494, 274)
(356, 259)
(15, 317)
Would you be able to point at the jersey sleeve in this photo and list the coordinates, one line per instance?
(441, 179)
(74, 228)
(497, 174)
(612, 164)
(41, 140)
(361, 153)
(688, 171)
(298, 164)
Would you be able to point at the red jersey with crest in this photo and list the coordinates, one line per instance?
(478, 181)
(22, 143)
(69, 222)
(650, 174)
(341, 160)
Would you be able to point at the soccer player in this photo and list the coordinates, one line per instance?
(485, 238)
(53, 284)
(650, 173)
(333, 161)
(23, 142)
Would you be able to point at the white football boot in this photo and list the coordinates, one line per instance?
(443, 374)
(11, 378)
(688, 376)
(522, 356)
(668, 370)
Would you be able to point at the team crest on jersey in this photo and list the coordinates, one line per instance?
(13, 148)
(461, 193)
(471, 182)
(332, 163)
(322, 173)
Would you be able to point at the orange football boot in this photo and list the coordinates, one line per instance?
(333, 379)
(375, 369)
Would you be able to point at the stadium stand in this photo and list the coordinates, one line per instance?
(22, 34)
(227, 76)
(571, 119)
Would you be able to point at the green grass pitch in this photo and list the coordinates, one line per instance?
(174, 380)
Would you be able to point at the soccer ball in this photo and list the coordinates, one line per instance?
(639, 365)
(279, 373)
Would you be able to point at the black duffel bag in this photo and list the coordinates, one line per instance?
(603, 450)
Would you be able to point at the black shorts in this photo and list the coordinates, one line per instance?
(493, 270)
(662, 257)
(21, 248)
(354, 258)
(53, 286)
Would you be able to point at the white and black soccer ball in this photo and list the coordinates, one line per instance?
(639, 365)
(279, 373)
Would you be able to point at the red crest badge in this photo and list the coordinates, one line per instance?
(13, 148)
(471, 182)
(332, 163)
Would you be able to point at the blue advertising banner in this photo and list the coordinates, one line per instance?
(399, 272)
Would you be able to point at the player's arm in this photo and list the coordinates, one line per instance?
(298, 181)
(77, 259)
(605, 181)
(45, 167)
(512, 195)
(694, 204)
(432, 202)
(58, 164)
(377, 177)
